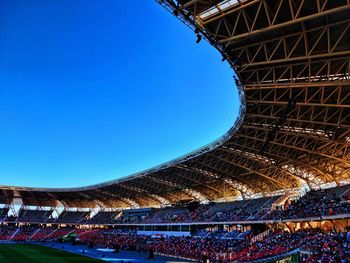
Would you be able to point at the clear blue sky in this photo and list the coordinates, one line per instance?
(95, 90)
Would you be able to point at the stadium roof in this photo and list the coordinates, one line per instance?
(292, 61)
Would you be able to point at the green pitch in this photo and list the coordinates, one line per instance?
(15, 253)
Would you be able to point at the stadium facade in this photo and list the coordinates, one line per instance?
(241, 198)
(291, 66)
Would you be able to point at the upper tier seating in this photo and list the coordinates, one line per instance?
(320, 203)
(103, 218)
(71, 217)
(3, 213)
(324, 202)
(32, 216)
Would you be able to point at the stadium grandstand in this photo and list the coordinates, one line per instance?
(276, 185)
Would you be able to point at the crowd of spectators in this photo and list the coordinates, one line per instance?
(326, 247)
(214, 212)
(314, 204)
(6, 232)
(218, 245)
(316, 245)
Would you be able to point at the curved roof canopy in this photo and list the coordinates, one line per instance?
(292, 60)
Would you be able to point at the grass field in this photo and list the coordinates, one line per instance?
(16, 253)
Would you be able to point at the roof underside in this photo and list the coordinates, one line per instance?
(292, 59)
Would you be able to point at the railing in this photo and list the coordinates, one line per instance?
(197, 255)
(35, 232)
(280, 201)
(344, 194)
(229, 222)
(14, 234)
(260, 237)
(49, 234)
